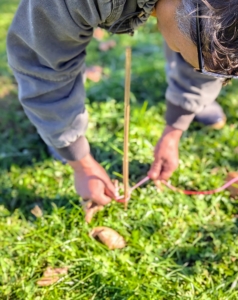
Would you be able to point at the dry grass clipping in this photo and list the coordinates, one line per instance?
(51, 276)
(37, 212)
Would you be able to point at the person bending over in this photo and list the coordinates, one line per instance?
(46, 50)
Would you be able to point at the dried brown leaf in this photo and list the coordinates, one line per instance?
(46, 281)
(105, 46)
(37, 212)
(94, 73)
(52, 275)
(109, 237)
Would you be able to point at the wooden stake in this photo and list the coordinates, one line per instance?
(126, 125)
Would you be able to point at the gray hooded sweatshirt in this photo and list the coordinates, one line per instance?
(46, 50)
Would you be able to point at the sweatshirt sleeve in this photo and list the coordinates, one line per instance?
(178, 117)
(46, 50)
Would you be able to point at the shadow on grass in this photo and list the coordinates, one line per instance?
(234, 163)
(37, 152)
(27, 199)
(19, 142)
(21, 145)
(15, 195)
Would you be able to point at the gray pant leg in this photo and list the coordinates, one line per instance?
(188, 91)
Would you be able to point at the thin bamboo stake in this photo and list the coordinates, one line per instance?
(126, 125)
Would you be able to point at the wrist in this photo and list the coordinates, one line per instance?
(81, 164)
(172, 133)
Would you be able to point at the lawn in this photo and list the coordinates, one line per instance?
(178, 247)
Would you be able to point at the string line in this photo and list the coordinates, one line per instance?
(173, 188)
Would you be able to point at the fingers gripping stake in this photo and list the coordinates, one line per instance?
(126, 126)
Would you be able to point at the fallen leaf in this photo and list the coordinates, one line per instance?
(233, 189)
(105, 46)
(98, 34)
(46, 281)
(37, 212)
(94, 73)
(51, 276)
(90, 209)
(109, 237)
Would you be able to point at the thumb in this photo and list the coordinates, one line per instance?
(102, 199)
(155, 169)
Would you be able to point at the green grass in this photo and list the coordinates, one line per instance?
(179, 247)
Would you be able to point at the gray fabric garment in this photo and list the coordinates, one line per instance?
(46, 49)
(188, 91)
(139, 10)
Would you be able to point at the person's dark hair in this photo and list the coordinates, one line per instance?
(219, 32)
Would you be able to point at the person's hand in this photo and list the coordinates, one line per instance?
(92, 182)
(166, 155)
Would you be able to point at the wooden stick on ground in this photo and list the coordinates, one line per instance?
(126, 125)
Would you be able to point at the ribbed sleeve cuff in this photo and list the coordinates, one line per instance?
(178, 117)
(75, 151)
